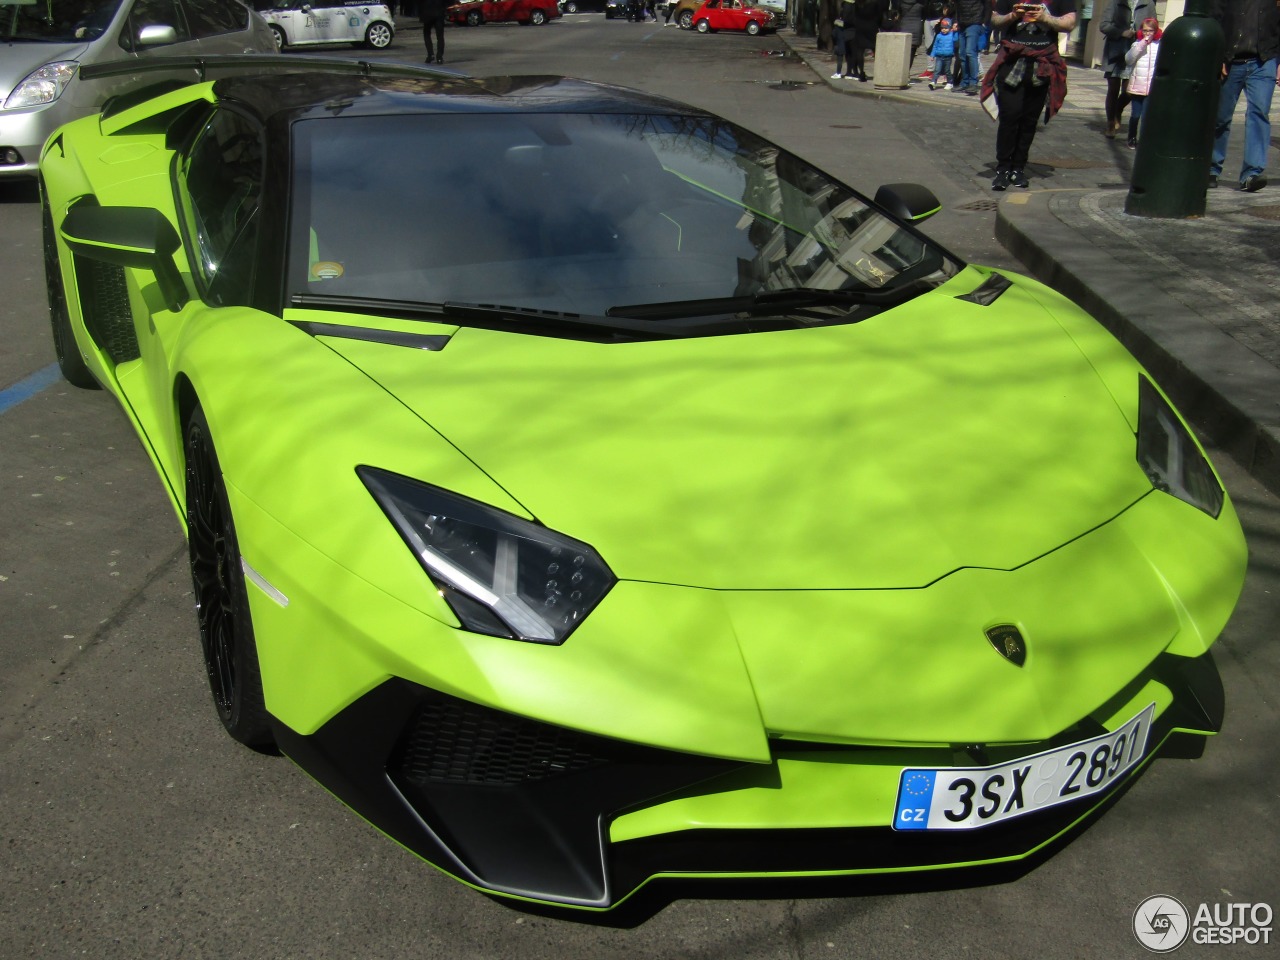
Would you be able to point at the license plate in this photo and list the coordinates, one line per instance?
(962, 798)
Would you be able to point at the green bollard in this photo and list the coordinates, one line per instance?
(1171, 169)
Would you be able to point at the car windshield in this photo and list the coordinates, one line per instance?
(55, 21)
(587, 214)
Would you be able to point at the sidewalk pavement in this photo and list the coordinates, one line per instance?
(1196, 300)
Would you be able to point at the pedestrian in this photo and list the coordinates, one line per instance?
(972, 18)
(911, 20)
(432, 15)
(1027, 78)
(842, 39)
(943, 49)
(1251, 64)
(867, 15)
(1120, 25)
(1141, 59)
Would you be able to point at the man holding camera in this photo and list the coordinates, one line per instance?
(1027, 78)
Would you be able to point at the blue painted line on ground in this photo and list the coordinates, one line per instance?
(10, 397)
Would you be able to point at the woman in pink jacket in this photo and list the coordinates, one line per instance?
(1142, 62)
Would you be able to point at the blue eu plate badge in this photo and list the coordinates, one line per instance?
(962, 798)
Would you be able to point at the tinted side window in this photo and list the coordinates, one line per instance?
(211, 18)
(151, 13)
(221, 185)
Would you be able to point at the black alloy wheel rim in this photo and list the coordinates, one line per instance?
(212, 555)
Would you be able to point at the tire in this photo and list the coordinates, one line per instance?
(686, 20)
(570, 7)
(281, 40)
(702, 26)
(70, 361)
(222, 602)
(537, 18)
(753, 28)
(474, 19)
(378, 36)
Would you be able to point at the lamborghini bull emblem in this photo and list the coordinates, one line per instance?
(1008, 641)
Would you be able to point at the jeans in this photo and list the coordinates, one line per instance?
(1258, 81)
(971, 37)
(942, 70)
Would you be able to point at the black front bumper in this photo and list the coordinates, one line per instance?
(523, 808)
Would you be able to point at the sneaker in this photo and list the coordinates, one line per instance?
(971, 91)
(1213, 181)
(1001, 181)
(947, 87)
(1132, 144)
(1253, 184)
(1018, 179)
(932, 85)
(836, 76)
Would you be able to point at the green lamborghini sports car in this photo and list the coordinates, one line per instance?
(586, 490)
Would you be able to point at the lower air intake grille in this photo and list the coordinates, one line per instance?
(455, 741)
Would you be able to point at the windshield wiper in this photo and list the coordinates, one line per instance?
(761, 304)
(502, 317)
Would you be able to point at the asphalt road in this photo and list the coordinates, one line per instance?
(133, 827)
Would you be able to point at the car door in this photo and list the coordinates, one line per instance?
(224, 26)
(733, 15)
(496, 11)
(218, 187)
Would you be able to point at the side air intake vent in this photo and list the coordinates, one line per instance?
(455, 741)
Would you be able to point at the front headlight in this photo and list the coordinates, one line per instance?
(501, 575)
(43, 86)
(1170, 456)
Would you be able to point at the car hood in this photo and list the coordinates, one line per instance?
(889, 453)
(19, 60)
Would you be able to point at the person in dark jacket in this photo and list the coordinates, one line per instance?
(1027, 77)
(1120, 25)
(431, 13)
(1252, 29)
(911, 20)
(973, 17)
(842, 40)
(867, 15)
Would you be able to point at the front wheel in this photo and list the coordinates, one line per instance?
(378, 36)
(278, 35)
(686, 20)
(537, 18)
(222, 602)
(753, 28)
(703, 26)
(474, 19)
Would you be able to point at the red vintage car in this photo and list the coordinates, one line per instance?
(732, 15)
(498, 11)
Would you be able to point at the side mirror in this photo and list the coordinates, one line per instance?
(908, 201)
(138, 237)
(157, 35)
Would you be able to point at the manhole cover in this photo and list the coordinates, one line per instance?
(1070, 163)
(845, 126)
(1269, 212)
(981, 206)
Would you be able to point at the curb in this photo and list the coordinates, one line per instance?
(1222, 386)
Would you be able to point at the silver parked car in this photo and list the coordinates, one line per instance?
(295, 22)
(45, 42)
